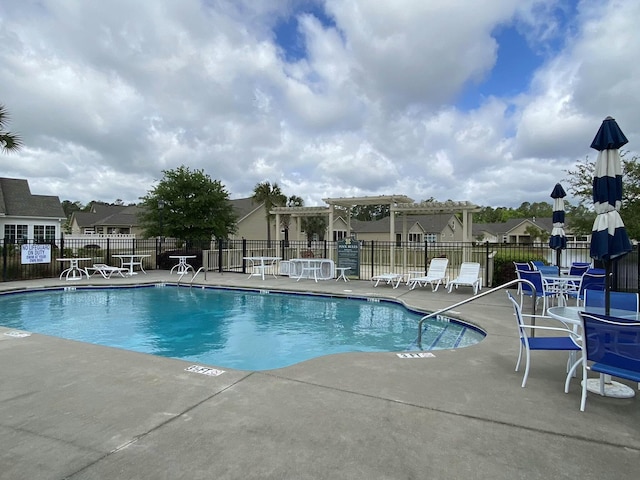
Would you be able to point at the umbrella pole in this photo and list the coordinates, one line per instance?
(558, 254)
(607, 287)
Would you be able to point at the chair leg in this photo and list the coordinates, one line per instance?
(571, 373)
(526, 368)
(583, 399)
(519, 357)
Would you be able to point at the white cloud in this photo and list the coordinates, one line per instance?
(107, 95)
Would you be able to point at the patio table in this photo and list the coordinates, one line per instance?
(73, 272)
(130, 260)
(182, 267)
(260, 264)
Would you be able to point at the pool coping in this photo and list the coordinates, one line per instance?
(72, 410)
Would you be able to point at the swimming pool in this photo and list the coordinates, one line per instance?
(228, 328)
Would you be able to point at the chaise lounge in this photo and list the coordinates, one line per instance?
(105, 270)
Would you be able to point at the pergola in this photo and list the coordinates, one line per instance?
(398, 204)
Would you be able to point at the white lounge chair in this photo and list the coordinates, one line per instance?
(389, 278)
(469, 276)
(106, 270)
(436, 275)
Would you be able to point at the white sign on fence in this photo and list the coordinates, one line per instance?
(36, 253)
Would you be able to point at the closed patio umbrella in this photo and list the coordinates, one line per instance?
(558, 240)
(609, 239)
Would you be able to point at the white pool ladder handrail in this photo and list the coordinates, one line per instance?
(470, 299)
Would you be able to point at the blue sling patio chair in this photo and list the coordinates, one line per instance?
(618, 300)
(610, 346)
(592, 279)
(578, 268)
(541, 287)
(564, 339)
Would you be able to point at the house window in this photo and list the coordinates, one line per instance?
(415, 238)
(10, 233)
(15, 233)
(431, 238)
(44, 233)
(339, 235)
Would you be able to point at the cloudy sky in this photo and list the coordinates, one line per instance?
(489, 101)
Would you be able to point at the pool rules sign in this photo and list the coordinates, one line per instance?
(36, 253)
(349, 255)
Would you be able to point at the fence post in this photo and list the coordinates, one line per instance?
(372, 256)
(107, 260)
(426, 256)
(486, 259)
(4, 259)
(244, 254)
(219, 255)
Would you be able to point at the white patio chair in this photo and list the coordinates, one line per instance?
(469, 276)
(436, 275)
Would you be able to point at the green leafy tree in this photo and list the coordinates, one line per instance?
(285, 220)
(536, 233)
(367, 213)
(9, 142)
(188, 205)
(271, 196)
(316, 225)
(581, 187)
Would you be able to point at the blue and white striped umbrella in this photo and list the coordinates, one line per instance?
(558, 240)
(609, 238)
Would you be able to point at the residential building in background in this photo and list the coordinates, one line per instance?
(24, 216)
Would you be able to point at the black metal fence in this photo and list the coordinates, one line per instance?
(375, 257)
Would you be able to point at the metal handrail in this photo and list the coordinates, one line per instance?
(195, 274)
(470, 299)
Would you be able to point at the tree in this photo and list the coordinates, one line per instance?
(316, 225)
(8, 141)
(270, 196)
(581, 186)
(192, 207)
(367, 213)
(536, 233)
(285, 220)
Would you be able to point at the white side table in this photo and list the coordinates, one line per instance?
(341, 273)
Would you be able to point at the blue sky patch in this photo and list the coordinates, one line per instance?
(288, 36)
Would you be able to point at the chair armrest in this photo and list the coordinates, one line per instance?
(547, 317)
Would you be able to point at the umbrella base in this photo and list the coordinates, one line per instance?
(611, 389)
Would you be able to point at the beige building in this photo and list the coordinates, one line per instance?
(443, 227)
(515, 230)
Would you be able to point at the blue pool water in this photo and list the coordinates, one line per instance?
(227, 328)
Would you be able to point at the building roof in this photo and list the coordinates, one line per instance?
(244, 206)
(108, 215)
(429, 223)
(502, 228)
(16, 200)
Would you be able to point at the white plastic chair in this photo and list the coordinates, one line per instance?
(469, 276)
(436, 275)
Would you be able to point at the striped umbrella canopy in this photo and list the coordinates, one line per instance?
(558, 240)
(609, 239)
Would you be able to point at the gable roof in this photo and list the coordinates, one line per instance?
(108, 215)
(244, 206)
(16, 200)
(502, 228)
(429, 223)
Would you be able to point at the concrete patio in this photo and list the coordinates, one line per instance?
(71, 410)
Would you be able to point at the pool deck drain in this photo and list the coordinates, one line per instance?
(79, 411)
